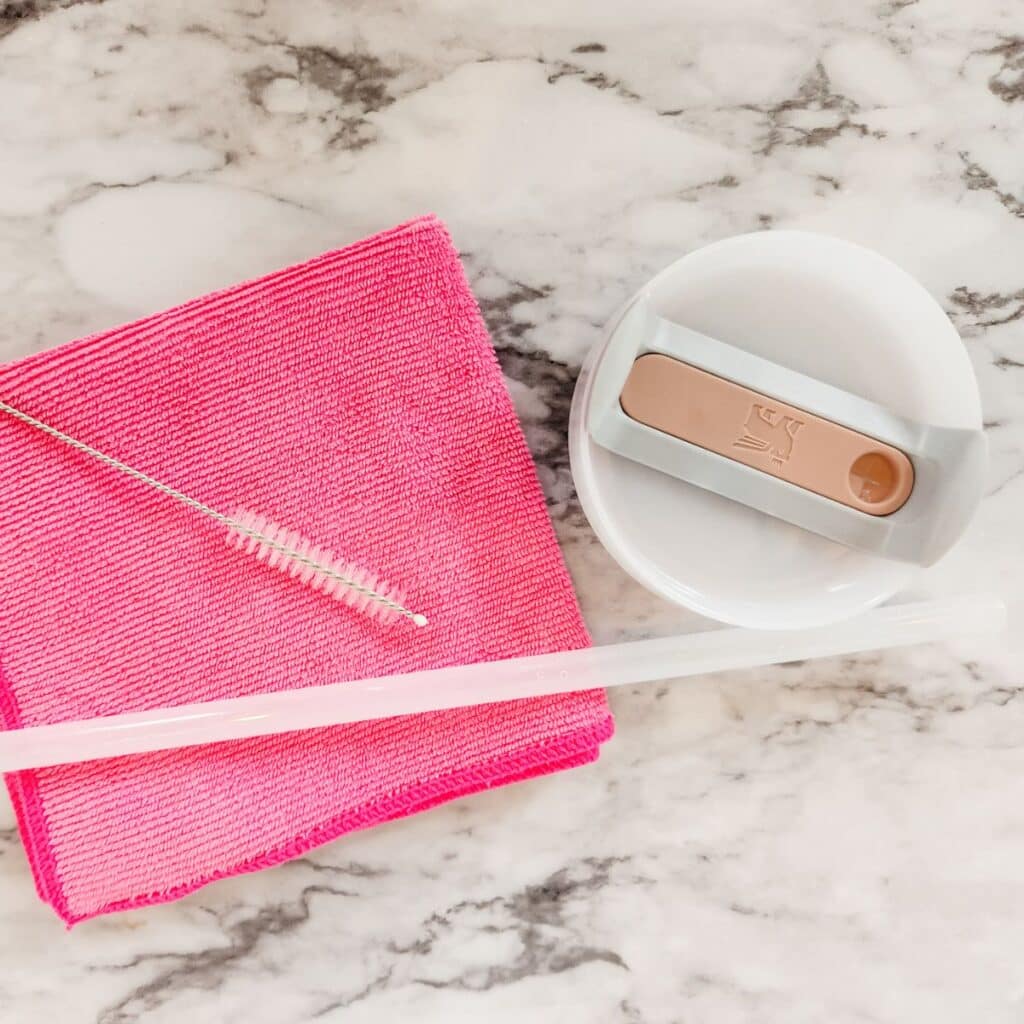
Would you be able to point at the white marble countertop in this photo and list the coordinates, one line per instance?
(840, 841)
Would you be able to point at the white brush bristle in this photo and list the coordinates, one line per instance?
(313, 565)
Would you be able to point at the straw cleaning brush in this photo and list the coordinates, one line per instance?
(276, 546)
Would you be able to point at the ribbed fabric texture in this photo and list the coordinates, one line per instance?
(357, 399)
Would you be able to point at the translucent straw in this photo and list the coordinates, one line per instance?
(622, 664)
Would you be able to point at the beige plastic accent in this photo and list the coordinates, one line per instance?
(757, 431)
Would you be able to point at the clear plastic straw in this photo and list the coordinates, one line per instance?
(622, 664)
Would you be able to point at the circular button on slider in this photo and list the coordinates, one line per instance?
(874, 478)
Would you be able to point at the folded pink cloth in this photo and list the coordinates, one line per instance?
(355, 398)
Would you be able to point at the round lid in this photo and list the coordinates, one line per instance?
(824, 307)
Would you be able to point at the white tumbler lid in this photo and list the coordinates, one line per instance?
(817, 305)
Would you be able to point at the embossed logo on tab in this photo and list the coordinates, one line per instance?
(770, 431)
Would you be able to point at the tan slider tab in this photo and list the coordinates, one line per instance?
(789, 443)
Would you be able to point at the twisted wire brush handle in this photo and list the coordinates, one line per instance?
(266, 545)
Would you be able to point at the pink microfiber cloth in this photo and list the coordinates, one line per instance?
(357, 399)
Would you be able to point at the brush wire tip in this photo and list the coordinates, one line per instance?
(318, 568)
